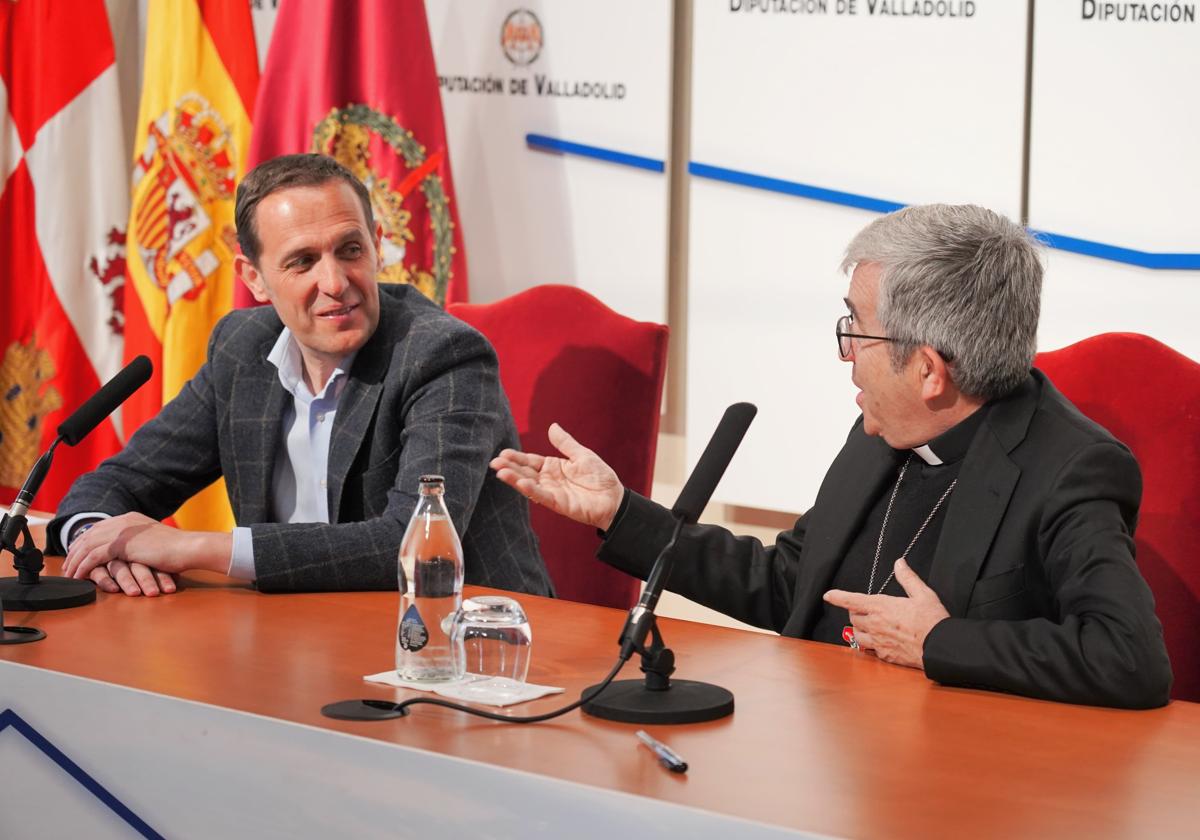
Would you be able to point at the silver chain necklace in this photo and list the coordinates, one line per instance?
(916, 536)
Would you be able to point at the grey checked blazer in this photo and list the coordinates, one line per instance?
(423, 396)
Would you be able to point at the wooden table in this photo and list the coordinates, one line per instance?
(823, 739)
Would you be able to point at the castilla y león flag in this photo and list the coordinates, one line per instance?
(355, 79)
(193, 133)
(64, 202)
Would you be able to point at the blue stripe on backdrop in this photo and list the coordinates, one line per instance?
(550, 144)
(10, 718)
(762, 182)
(1145, 259)
(1113, 253)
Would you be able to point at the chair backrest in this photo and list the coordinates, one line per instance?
(565, 357)
(1148, 396)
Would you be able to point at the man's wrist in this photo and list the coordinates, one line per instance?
(210, 550)
(616, 517)
(76, 525)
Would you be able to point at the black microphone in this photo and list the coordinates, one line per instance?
(72, 430)
(105, 401)
(23, 592)
(694, 496)
(658, 699)
(698, 489)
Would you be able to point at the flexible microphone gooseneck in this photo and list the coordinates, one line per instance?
(15, 520)
(29, 590)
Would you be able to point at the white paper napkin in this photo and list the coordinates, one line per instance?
(473, 688)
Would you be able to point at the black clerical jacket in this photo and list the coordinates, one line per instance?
(1035, 561)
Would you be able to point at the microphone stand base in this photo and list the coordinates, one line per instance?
(686, 701)
(49, 593)
(20, 635)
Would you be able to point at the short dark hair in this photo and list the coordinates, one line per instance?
(281, 173)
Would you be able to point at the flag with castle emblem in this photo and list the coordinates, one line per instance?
(356, 81)
(64, 202)
(193, 132)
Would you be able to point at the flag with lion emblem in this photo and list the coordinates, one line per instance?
(63, 208)
(356, 81)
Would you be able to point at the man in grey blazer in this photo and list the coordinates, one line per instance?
(975, 524)
(321, 411)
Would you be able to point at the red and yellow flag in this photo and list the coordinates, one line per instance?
(193, 136)
(356, 81)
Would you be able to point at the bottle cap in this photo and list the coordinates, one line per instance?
(432, 479)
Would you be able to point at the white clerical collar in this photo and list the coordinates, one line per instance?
(927, 455)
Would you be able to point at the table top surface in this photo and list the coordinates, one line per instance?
(823, 738)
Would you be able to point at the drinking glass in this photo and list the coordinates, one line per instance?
(492, 635)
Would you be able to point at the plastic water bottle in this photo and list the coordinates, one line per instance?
(431, 579)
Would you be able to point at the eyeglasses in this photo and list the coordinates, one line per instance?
(843, 337)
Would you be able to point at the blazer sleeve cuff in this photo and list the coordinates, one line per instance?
(938, 653)
(70, 529)
(639, 531)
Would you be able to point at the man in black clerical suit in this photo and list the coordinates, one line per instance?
(975, 524)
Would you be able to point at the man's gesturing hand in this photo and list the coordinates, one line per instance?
(894, 628)
(580, 486)
(140, 554)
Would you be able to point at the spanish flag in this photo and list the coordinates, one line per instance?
(193, 135)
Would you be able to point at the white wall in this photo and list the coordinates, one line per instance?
(900, 109)
(533, 217)
(1113, 161)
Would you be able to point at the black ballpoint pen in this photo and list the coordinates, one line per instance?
(666, 756)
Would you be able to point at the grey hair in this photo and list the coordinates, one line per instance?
(963, 280)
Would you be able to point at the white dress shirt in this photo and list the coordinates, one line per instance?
(302, 459)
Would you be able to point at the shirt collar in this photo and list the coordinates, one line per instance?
(285, 355)
(951, 445)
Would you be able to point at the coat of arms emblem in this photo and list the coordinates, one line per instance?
(350, 135)
(25, 400)
(187, 167)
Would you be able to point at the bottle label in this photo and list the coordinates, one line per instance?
(413, 633)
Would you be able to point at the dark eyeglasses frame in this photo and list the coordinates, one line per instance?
(846, 320)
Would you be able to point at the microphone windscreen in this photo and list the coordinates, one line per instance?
(712, 464)
(102, 403)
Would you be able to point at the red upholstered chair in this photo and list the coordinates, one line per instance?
(1148, 396)
(565, 357)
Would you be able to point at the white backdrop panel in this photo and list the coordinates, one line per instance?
(1084, 296)
(907, 109)
(761, 330)
(1113, 160)
(530, 217)
(1114, 129)
(903, 108)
